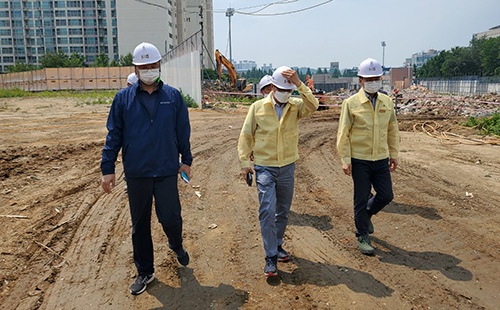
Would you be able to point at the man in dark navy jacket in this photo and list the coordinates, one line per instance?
(149, 122)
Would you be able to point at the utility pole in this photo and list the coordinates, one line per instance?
(383, 54)
(230, 13)
(202, 42)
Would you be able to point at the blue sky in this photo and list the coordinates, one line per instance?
(347, 31)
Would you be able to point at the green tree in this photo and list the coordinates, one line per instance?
(54, 60)
(489, 50)
(319, 71)
(461, 61)
(75, 60)
(20, 67)
(114, 63)
(102, 60)
(126, 60)
(336, 73)
(209, 74)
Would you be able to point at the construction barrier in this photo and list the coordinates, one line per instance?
(67, 79)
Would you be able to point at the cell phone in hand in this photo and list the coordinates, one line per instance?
(249, 179)
(184, 177)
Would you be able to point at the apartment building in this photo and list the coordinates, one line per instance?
(30, 29)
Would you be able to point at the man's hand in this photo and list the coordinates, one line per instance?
(108, 182)
(292, 76)
(245, 171)
(347, 168)
(186, 169)
(393, 164)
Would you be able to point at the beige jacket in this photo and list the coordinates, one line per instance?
(367, 133)
(274, 142)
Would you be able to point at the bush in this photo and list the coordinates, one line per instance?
(188, 100)
(487, 125)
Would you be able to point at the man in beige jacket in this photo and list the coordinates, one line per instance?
(368, 145)
(271, 132)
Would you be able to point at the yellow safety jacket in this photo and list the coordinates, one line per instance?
(365, 132)
(274, 142)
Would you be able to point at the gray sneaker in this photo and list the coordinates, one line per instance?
(282, 255)
(141, 283)
(271, 269)
(364, 245)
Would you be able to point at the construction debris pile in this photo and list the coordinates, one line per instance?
(417, 100)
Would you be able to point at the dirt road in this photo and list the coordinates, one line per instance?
(66, 245)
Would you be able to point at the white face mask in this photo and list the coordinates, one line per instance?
(282, 96)
(372, 86)
(149, 76)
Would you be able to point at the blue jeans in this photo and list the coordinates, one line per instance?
(366, 174)
(275, 186)
(168, 210)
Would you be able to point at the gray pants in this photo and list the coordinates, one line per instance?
(275, 185)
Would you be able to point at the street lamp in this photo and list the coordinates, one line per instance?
(383, 54)
(230, 13)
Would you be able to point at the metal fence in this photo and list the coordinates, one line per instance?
(463, 86)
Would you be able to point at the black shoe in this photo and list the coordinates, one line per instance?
(371, 229)
(282, 254)
(183, 257)
(141, 283)
(271, 268)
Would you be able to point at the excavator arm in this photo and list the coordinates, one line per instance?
(221, 60)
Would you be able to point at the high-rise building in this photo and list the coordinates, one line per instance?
(418, 59)
(493, 32)
(30, 29)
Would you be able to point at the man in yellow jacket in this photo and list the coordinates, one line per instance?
(368, 145)
(271, 132)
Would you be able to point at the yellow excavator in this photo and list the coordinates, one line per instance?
(239, 84)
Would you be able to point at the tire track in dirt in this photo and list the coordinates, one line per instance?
(430, 253)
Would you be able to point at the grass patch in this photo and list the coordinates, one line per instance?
(85, 97)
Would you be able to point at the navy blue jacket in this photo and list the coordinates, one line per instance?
(152, 131)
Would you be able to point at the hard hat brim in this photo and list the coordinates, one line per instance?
(370, 75)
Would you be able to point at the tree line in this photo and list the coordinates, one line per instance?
(61, 60)
(480, 58)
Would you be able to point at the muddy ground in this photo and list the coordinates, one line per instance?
(66, 245)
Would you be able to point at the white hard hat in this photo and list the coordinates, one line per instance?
(145, 53)
(266, 80)
(132, 78)
(281, 82)
(370, 68)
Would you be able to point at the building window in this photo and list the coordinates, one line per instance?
(73, 4)
(74, 22)
(75, 40)
(59, 4)
(77, 31)
(74, 13)
(62, 40)
(76, 49)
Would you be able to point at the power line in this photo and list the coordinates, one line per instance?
(152, 4)
(265, 6)
(283, 13)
